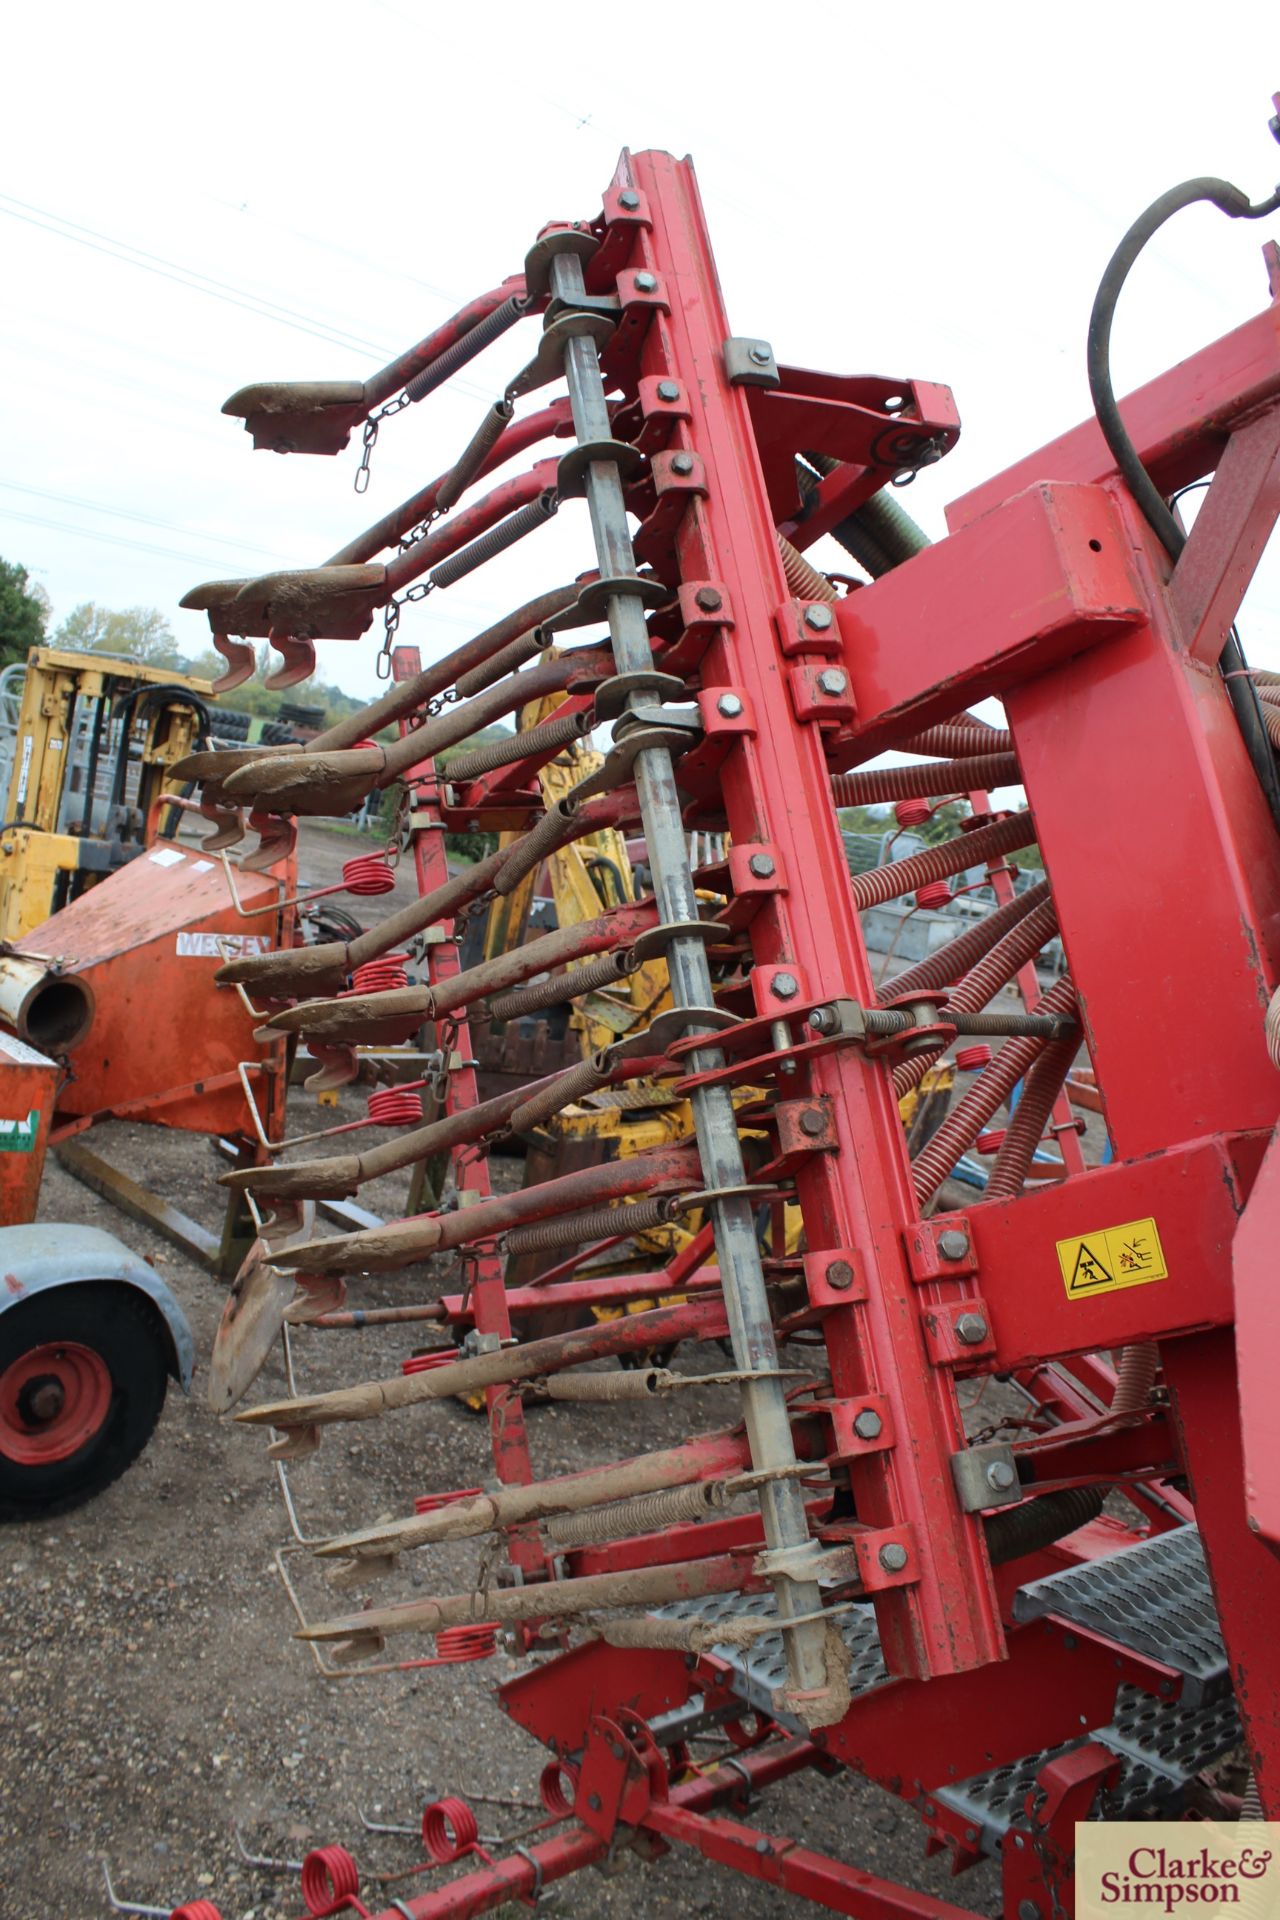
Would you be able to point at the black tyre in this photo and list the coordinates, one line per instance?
(83, 1372)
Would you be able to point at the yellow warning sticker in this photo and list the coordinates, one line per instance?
(1111, 1258)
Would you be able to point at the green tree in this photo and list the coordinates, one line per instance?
(135, 633)
(24, 613)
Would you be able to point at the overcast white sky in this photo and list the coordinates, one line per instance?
(195, 197)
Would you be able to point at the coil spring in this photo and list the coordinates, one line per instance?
(458, 1646)
(394, 1107)
(330, 1880)
(601, 1223)
(368, 875)
(973, 1059)
(911, 813)
(548, 737)
(954, 960)
(526, 646)
(378, 976)
(473, 341)
(922, 779)
(802, 577)
(196, 1910)
(496, 541)
(934, 894)
(449, 1829)
(603, 971)
(961, 739)
(474, 454)
(643, 1513)
(937, 863)
(558, 1787)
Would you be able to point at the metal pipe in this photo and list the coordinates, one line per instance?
(746, 1300)
(50, 1011)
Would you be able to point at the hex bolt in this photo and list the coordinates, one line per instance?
(785, 986)
(668, 390)
(817, 618)
(868, 1424)
(893, 1558)
(1028, 1910)
(682, 463)
(760, 354)
(709, 600)
(839, 1275)
(762, 866)
(971, 1329)
(729, 705)
(823, 1020)
(629, 199)
(831, 680)
(1001, 1475)
(646, 282)
(953, 1244)
(813, 1122)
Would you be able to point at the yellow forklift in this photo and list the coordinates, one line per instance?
(89, 739)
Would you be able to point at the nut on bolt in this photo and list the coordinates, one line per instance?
(785, 986)
(818, 618)
(893, 1557)
(709, 600)
(971, 1329)
(760, 354)
(839, 1275)
(646, 282)
(682, 463)
(867, 1424)
(668, 390)
(831, 680)
(813, 1121)
(629, 199)
(1001, 1475)
(729, 706)
(762, 866)
(953, 1244)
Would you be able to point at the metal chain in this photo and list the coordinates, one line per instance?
(370, 440)
(390, 622)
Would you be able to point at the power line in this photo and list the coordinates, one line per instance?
(107, 539)
(145, 519)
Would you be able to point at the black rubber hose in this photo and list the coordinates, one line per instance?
(1155, 509)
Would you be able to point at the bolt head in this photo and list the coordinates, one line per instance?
(817, 618)
(730, 707)
(813, 1122)
(646, 282)
(1001, 1475)
(953, 1244)
(785, 986)
(760, 354)
(762, 866)
(709, 600)
(839, 1275)
(971, 1329)
(893, 1558)
(682, 463)
(831, 680)
(593, 1801)
(629, 199)
(868, 1424)
(1028, 1910)
(668, 390)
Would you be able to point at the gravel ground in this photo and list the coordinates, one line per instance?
(151, 1694)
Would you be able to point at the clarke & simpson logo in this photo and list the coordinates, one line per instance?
(1168, 1865)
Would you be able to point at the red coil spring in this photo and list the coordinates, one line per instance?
(395, 1107)
(448, 1831)
(196, 1910)
(432, 1502)
(369, 874)
(991, 1141)
(423, 1362)
(934, 893)
(376, 976)
(456, 1646)
(558, 1786)
(330, 1881)
(973, 1059)
(911, 813)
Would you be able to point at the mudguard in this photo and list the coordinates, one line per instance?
(37, 1258)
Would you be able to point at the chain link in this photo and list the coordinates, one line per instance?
(370, 439)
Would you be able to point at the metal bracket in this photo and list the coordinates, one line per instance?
(986, 1476)
(750, 363)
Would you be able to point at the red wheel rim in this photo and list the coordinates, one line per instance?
(52, 1402)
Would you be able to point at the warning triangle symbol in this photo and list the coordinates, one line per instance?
(1090, 1270)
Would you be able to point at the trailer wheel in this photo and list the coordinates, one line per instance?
(83, 1371)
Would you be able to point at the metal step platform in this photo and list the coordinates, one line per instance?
(1154, 1598)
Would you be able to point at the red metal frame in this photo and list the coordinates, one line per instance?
(1052, 593)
